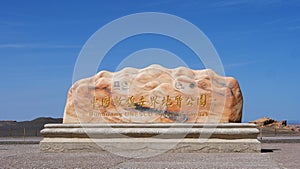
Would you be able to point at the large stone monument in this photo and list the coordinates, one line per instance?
(153, 109)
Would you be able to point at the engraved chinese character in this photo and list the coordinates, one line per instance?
(118, 100)
(179, 85)
(117, 85)
(192, 85)
(189, 101)
(142, 101)
(124, 85)
(94, 102)
(130, 101)
(167, 101)
(153, 101)
(106, 101)
(202, 100)
(178, 99)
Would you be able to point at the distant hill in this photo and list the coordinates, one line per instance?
(32, 128)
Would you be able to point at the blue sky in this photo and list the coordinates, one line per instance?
(257, 41)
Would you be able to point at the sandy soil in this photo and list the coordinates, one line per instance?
(279, 155)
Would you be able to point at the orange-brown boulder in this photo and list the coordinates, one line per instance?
(154, 95)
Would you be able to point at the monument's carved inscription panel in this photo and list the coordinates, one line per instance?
(154, 95)
(153, 101)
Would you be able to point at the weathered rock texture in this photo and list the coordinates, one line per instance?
(265, 121)
(154, 95)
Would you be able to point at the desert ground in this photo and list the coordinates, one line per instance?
(273, 155)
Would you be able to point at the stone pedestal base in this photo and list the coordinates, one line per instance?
(138, 139)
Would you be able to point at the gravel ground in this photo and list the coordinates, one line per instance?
(274, 155)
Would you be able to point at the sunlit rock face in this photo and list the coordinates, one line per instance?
(154, 95)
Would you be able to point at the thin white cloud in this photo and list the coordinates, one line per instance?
(37, 46)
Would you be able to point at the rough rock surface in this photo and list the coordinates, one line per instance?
(266, 121)
(154, 95)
